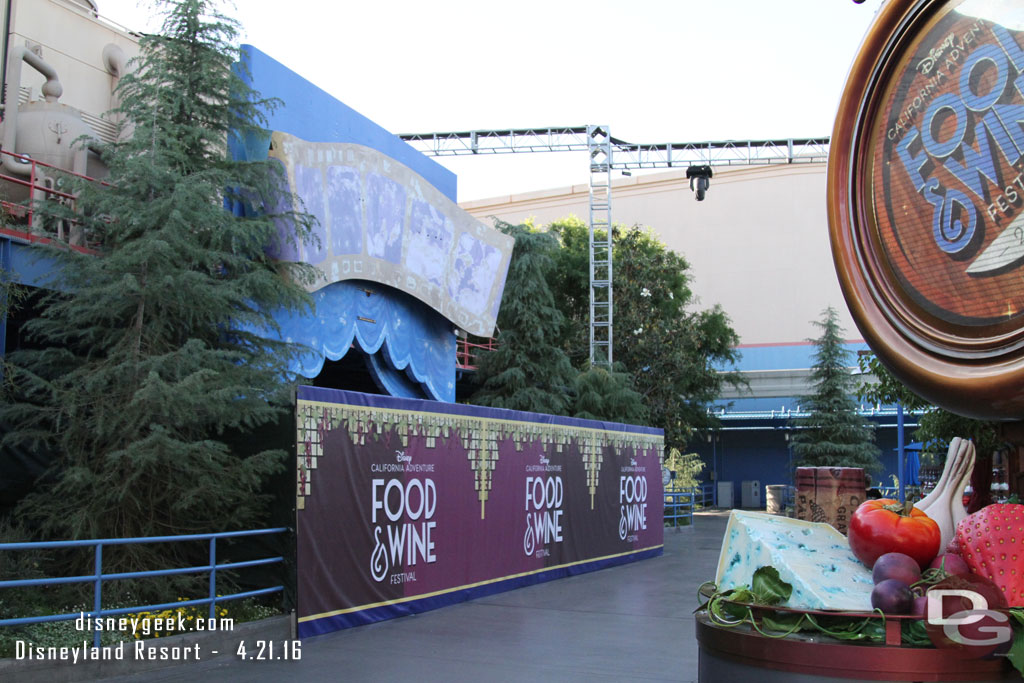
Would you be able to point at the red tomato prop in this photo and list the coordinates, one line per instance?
(885, 526)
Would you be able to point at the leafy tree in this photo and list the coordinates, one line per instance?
(569, 279)
(833, 434)
(936, 427)
(528, 370)
(152, 355)
(686, 468)
(673, 351)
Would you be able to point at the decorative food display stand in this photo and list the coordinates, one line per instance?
(741, 654)
(926, 219)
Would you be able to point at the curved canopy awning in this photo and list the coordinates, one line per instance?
(410, 347)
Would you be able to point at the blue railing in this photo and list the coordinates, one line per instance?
(707, 495)
(98, 577)
(679, 507)
(789, 498)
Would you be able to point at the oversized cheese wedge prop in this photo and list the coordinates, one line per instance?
(814, 558)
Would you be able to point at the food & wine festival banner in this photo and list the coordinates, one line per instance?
(407, 505)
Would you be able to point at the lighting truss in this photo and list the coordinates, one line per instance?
(626, 155)
(606, 153)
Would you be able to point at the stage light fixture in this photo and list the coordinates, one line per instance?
(700, 180)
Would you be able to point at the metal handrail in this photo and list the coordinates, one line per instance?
(679, 506)
(98, 577)
(707, 495)
(466, 352)
(34, 187)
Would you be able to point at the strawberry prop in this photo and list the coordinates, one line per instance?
(992, 543)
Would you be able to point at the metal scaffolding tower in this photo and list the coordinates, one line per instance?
(600, 148)
(606, 154)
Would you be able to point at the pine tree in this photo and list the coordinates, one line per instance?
(602, 395)
(528, 370)
(151, 352)
(833, 435)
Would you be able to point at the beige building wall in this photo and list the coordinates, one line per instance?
(758, 244)
(71, 39)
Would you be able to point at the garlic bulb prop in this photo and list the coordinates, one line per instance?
(945, 504)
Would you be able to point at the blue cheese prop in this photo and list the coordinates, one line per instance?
(814, 558)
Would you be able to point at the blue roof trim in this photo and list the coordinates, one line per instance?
(29, 265)
(786, 356)
(314, 115)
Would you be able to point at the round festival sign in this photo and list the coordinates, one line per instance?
(926, 199)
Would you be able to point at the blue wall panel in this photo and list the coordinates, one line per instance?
(313, 115)
(763, 455)
(787, 356)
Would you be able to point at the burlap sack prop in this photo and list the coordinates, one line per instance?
(829, 494)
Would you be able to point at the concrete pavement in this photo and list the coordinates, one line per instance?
(632, 622)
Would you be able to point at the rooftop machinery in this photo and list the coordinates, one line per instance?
(607, 154)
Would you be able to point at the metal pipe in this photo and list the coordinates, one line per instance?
(900, 450)
(115, 63)
(28, 545)
(52, 90)
(7, 39)
(769, 428)
(98, 593)
(213, 578)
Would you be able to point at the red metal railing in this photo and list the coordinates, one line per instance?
(26, 221)
(467, 351)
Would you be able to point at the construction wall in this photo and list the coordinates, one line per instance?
(405, 506)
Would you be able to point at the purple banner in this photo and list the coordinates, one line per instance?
(407, 505)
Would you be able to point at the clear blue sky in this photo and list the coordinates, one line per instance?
(652, 70)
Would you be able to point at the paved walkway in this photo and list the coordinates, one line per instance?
(632, 622)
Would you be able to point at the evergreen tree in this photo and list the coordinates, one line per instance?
(528, 370)
(833, 435)
(151, 352)
(602, 395)
(11, 295)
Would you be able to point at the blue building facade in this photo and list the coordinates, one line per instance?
(402, 267)
(754, 440)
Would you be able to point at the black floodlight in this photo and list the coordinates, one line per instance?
(700, 180)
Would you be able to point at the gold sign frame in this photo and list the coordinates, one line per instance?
(970, 364)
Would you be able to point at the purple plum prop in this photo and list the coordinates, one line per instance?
(892, 596)
(920, 606)
(896, 566)
(952, 564)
